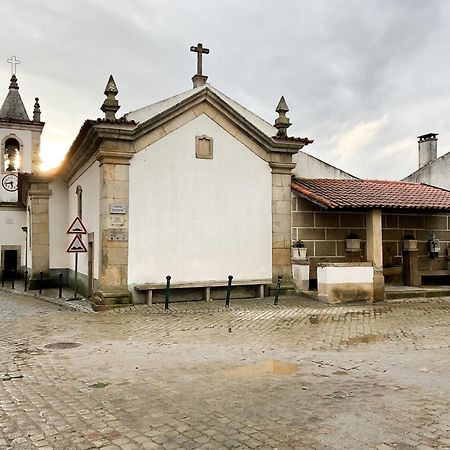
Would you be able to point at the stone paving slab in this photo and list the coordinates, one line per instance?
(297, 375)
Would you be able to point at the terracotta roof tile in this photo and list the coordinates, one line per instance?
(305, 140)
(365, 194)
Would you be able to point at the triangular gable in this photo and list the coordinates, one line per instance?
(147, 113)
(206, 101)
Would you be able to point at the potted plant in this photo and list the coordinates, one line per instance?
(352, 242)
(298, 250)
(409, 242)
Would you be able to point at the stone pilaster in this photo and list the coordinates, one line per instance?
(112, 290)
(281, 221)
(35, 151)
(38, 201)
(375, 251)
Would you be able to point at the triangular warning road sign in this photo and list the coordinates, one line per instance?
(77, 227)
(76, 246)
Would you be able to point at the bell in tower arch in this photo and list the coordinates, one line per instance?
(11, 155)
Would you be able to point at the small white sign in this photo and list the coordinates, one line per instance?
(117, 208)
(116, 220)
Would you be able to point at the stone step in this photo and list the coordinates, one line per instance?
(417, 293)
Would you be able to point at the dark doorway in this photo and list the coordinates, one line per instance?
(10, 262)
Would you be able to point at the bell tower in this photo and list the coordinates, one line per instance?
(24, 190)
(20, 140)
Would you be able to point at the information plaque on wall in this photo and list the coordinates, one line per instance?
(117, 208)
(117, 234)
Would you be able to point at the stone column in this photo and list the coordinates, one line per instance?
(281, 222)
(112, 290)
(38, 200)
(375, 251)
(411, 268)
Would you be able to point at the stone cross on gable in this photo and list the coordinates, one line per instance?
(13, 61)
(200, 50)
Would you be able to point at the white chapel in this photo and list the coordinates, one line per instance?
(195, 187)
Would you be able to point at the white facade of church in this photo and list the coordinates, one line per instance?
(195, 186)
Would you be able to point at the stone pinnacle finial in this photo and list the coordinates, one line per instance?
(37, 111)
(110, 105)
(13, 84)
(282, 123)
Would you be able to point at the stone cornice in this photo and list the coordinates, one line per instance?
(112, 157)
(5, 206)
(39, 193)
(282, 167)
(35, 183)
(88, 141)
(22, 125)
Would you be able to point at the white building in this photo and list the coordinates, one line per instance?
(432, 170)
(195, 186)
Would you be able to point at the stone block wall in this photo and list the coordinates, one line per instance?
(395, 226)
(324, 233)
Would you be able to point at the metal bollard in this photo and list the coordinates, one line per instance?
(13, 273)
(166, 305)
(3, 277)
(25, 280)
(41, 276)
(277, 292)
(227, 300)
(60, 278)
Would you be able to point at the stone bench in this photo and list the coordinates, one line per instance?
(433, 273)
(148, 288)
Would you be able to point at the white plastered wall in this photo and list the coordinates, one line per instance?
(58, 214)
(199, 219)
(311, 167)
(11, 233)
(89, 180)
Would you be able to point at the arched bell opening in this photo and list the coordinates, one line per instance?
(11, 155)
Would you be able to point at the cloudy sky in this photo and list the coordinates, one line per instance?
(362, 78)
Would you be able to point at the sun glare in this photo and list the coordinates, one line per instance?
(52, 153)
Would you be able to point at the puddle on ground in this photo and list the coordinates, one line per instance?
(340, 372)
(63, 345)
(271, 366)
(366, 339)
(99, 385)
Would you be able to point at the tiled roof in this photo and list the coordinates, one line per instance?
(366, 194)
(305, 140)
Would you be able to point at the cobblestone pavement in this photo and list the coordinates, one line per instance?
(297, 375)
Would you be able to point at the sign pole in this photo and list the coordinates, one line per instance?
(76, 274)
(76, 246)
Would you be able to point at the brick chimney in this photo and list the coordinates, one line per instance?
(427, 148)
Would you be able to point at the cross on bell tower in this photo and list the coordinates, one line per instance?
(199, 79)
(13, 61)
